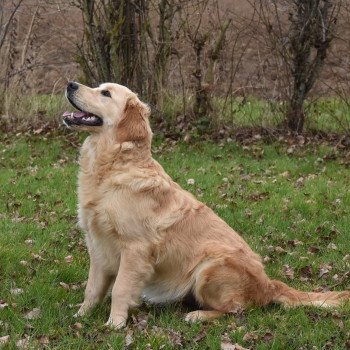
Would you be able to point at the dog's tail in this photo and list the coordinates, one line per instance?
(289, 297)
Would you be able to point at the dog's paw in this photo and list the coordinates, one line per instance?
(203, 315)
(81, 312)
(194, 316)
(116, 323)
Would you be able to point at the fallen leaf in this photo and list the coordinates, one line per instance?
(64, 285)
(299, 182)
(37, 257)
(44, 340)
(23, 343)
(294, 242)
(33, 314)
(69, 259)
(4, 340)
(280, 250)
(16, 291)
(268, 336)
(230, 346)
(249, 336)
(285, 174)
(199, 336)
(337, 319)
(288, 272)
(227, 346)
(248, 213)
(141, 322)
(306, 272)
(175, 338)
(313, 249)
(324, 269)
(3, 304)
(332, 246)
(266, 259)
(78, 326)
(38, 131)
(129, 340)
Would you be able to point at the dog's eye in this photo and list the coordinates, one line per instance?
(106, 93)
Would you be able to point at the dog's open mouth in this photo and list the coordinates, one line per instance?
(81, 118)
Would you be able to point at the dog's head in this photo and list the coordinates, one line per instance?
(108, 108)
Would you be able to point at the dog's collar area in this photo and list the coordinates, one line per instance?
(81, 118)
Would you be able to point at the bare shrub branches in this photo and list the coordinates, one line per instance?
(301, 32)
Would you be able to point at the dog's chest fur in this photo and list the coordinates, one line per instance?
(94, 216)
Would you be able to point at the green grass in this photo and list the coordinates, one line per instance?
(254, 188)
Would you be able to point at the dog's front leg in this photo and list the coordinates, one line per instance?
(136, 268)
(97, 285)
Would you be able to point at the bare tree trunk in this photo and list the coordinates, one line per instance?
(113, 49)
(163, 48)
(312, 29)
(203, 105)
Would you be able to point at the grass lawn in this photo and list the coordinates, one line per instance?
(292, 208)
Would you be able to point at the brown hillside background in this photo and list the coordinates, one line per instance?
(44, 53)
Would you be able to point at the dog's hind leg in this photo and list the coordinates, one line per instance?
(97, 286)
(224, 285)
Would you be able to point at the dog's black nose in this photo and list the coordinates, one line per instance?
(72, 86)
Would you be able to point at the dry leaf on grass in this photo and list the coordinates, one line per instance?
(332, 246)
(64, 285)
(129, 340)
(44, 340)
(23, 343)
(324, 270)
(141, 322)
(37, 257)
(72, 286)
(4, 340)
(250, 336)
(199, 336)
(268, 336)
(230, 346)
(190, 182)
(175, 338)
(78, 326)
(16, 291)
(69, 259)
(33, 314)
(3, 304)
(288, 272)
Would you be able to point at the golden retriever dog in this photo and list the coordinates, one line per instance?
(146, 236)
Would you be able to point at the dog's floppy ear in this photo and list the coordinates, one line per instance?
(133, 125)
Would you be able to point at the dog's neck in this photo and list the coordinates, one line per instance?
(103, 151)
